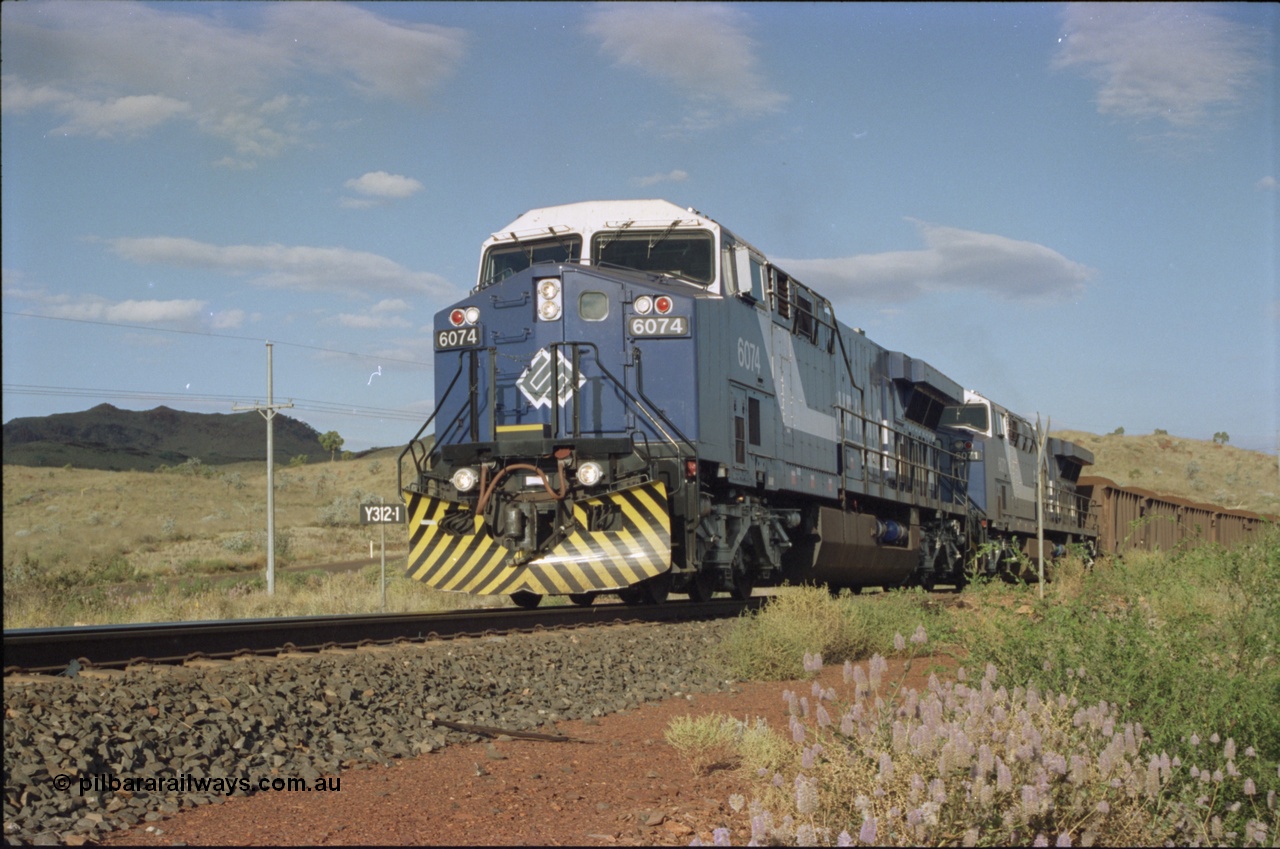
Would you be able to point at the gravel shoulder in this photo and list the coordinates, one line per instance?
(334, 714)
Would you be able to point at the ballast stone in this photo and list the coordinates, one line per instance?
(311, 716)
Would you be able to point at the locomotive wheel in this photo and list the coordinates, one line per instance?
(632, 596)
(582, 599)
(740, 583)
(657, 588)
(702, 586)
(526, 599)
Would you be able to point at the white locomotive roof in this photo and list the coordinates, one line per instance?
(587, 217)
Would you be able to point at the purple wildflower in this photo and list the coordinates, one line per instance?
(899, 643)
(919, 638)
(760, 825)
(845, 839)
(1004, 776)
(867, 834)
(1249, 787)
(1064, 839)
(806, 795)
(720, 837)
(848, 672)
(824, 718)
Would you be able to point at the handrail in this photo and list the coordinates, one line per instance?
(469, 412)
(913, 471)
(416, 440)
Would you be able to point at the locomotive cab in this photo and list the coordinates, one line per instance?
(550, 454)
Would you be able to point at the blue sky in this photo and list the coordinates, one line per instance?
(1069, 208)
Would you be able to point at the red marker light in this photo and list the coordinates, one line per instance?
(457, 317)
(662, 304)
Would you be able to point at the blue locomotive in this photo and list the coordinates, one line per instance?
(633, 399)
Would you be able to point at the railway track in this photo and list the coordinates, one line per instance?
(104, 646)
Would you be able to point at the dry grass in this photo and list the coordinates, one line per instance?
(67, 530)
(1200, 470)
(168, 524)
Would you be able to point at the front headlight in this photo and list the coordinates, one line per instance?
(549, 298)
(548, 288)
(464, 479)
(590, 473)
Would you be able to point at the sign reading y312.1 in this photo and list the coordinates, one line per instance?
(380, 514)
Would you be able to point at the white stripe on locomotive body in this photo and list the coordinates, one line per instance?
(787, 377)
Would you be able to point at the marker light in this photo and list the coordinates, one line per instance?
(590, 473)
(473, 315)
(644, 305)
(457, 317)
(663, 304)
(464, 479)
(549, 288)
(549, 310)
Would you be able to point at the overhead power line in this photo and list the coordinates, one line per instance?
(230, 336)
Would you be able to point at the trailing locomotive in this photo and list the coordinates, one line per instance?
(633, 399)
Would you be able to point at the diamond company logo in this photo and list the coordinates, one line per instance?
(538, 380)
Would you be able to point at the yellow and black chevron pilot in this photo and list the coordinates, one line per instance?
(452, 548)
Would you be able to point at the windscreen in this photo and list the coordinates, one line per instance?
(971, 416)
(689, 255)
(502, 261)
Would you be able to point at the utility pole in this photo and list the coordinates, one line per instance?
(1041, 440)
(268, 412)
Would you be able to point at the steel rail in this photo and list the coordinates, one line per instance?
(60, 649)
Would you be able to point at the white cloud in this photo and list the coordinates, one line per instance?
(1267, 184)
(227, 319)
(133, 115)
(121, 69)
(701, 48)
(387, 313)
(94, 308)
(380, 184)
(1177, 63)
(372, 322)
(378, 58)
(674, 176)
(299, 267)
(953, 260)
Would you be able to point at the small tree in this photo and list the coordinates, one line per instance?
(331, 442)
(1221, 437)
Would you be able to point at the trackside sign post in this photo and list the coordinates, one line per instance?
(382, 515)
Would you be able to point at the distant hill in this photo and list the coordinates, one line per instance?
(106, 437)
(1195, 469)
